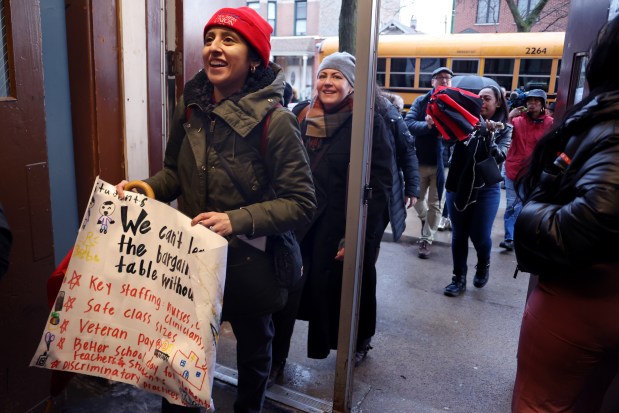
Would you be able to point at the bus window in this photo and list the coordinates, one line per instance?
(426, 67)
(402, 72)
(501, 70)
(465, 66)
(381, 68)
(535, 73)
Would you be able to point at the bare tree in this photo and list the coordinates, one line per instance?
(347, 29)
(553, 17)
(548, 18)
(494, 9)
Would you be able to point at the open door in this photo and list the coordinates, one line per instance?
(25, 194)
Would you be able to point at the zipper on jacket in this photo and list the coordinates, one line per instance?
(212, 127)
(516, 272)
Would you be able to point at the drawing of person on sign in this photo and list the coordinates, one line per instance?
(106, 210)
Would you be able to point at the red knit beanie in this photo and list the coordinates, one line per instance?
(247, 22)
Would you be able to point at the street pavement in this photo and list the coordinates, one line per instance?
(431, 353)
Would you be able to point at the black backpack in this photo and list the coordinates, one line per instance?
(455, 112)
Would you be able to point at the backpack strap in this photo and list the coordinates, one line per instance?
(265, 125)
(265, 129)
(263, 144)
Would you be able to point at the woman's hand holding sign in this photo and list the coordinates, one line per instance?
(218, 222)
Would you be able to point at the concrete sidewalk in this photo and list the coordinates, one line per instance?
(431, 353)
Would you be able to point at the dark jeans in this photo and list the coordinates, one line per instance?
(254, 335)
(512, 209)
(475, 222)
(284, 320)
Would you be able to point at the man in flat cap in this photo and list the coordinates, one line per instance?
(429, 146)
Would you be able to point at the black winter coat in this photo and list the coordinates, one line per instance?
(320, 304)
(404, 168)
(570, 222)
(466, 176)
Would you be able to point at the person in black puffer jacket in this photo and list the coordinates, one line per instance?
(567, 233)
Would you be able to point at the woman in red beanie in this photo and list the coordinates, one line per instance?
(239, 180)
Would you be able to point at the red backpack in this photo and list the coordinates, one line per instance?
(455, 112)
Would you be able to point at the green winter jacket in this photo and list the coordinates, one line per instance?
(279, 183)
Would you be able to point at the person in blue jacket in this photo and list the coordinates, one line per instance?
(429, 147)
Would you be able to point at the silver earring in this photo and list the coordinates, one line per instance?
(252, 69)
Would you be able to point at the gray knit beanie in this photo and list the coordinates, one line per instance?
(343, 62)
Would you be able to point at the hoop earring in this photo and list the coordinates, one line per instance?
(252, 69)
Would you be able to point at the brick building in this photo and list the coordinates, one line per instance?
(489, 16)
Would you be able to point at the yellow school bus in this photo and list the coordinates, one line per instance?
(514, 60)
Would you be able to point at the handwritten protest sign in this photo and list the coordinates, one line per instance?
(141, 299)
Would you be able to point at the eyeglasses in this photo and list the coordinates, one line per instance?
(440, 78)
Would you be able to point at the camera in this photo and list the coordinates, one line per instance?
(517, 98)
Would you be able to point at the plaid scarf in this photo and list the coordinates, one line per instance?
(321, 124)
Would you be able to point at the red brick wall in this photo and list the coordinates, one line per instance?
(313, 15)
(285, 19)
(551, 20)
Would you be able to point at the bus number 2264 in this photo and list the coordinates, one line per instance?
(535, 50)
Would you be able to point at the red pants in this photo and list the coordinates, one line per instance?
(568, 353)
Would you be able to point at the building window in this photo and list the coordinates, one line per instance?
(578, 77)
(300, 17)
(5, 84)
(488, 12)
(526, 6)
(272, 15)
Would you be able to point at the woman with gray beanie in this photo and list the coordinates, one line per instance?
(326, 128)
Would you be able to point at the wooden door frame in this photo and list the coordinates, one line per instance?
(96, 93)
(95, 68)
(155, 70)
(25, 194)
